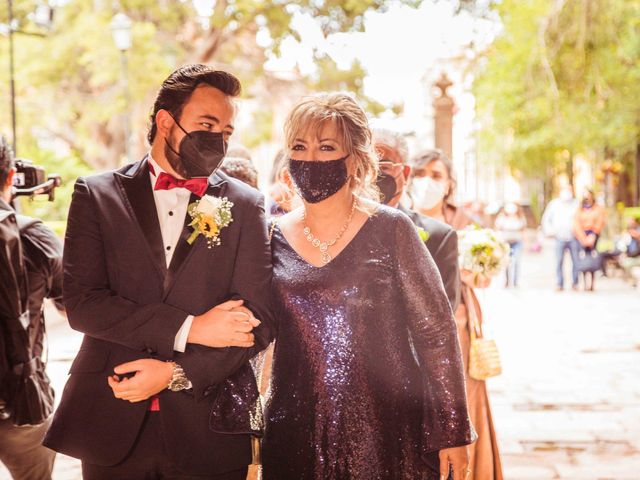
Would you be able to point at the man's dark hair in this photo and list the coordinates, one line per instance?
(178, 87)
(6, 161)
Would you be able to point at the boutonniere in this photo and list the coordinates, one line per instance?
(209, 215)
(424, 235)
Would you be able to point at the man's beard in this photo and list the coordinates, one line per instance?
(172, 157)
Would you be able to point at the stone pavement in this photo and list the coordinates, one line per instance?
(568, 403)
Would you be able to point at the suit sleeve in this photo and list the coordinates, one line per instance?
(446, 258)
(206, 367)
(94, 309)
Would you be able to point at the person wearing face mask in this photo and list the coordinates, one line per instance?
(442, 241)
(511, 223)
(157, 311)
(588, 223)
(432, 186)
(367, 377)
(557, 222)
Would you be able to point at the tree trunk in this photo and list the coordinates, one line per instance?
(637, 189)
(570, 174)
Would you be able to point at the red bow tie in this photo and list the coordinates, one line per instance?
(165, 181)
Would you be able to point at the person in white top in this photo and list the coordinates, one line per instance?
(557, 222)
(511, 224)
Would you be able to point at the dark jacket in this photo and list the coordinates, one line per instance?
(42, 254)
(120, 294)
(443, 246)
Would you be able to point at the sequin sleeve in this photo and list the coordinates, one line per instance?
(445, 421)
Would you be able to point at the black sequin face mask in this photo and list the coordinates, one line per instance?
(317, 180)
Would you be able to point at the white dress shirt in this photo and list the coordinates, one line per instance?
(171, 206)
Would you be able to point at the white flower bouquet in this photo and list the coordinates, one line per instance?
(481, 251)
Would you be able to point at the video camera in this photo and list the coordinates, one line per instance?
(31, 180)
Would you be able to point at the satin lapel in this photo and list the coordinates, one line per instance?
(138, 196)
(217, 187)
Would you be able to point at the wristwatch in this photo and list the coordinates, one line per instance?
(179, 380)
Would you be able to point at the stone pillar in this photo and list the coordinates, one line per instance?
(444, 105)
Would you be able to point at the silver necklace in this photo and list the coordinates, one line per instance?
(324, 246)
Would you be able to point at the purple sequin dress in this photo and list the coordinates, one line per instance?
(367, 378)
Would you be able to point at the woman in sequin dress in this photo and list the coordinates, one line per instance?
(367, 380)
(484, 454)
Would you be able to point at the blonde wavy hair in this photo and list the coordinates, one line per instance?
(312, 113)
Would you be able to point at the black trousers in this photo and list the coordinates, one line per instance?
(148, 460)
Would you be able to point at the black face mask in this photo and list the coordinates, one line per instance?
(388, 187)
(317, 180)
(199, 154)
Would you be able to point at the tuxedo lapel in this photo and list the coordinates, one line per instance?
(138, 196)
(217, 187)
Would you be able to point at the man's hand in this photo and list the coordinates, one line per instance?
(226, 325)
(151, 377)
(458, 458)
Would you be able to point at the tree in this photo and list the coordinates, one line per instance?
(558, 82)
(69, 87)
(69, 82)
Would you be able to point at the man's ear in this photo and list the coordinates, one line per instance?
(164, 122)
(406, 171)
(9, 182)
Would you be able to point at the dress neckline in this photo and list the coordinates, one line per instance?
(335, 258)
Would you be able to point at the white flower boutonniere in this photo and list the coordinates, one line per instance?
(209, 215)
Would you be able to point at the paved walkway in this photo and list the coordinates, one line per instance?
(568, 403)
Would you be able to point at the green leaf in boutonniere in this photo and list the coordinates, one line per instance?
(424, 235)
(209, 215)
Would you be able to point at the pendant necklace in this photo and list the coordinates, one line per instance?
(324, 246)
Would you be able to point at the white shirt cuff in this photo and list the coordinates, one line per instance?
(180, 343)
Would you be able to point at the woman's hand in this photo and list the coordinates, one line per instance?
(458, 459)
(151, 377)
(475, 280)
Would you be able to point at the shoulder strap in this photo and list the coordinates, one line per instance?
(4, 214)
(473, 312)
(25, 222)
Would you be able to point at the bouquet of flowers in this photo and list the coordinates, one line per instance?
(482, 251)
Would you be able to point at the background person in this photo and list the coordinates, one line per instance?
(282, 195)
(557, 222)
(588, 223)
(21, 448)
(442, 241)
(511, 224)
(240, 169)
(432, 189)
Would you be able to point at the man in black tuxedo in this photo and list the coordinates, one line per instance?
(165, 321)
(442, 240)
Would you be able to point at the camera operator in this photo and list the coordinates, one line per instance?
(32, 268)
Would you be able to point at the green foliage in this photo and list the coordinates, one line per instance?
(261, 131)
(331, 78)
(559, 81)
(70, 87)
(69, 168)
